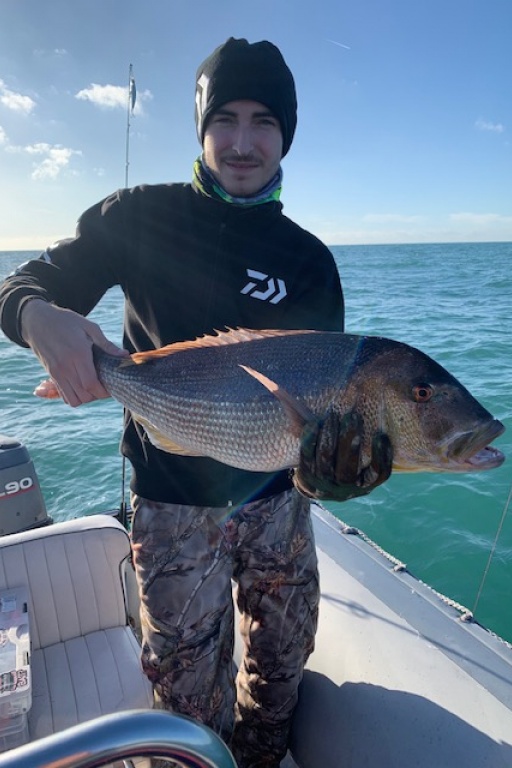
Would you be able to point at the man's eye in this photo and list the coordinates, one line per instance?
(267, 121)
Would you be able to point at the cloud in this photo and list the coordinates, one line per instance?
(390, 218)
(486, 125)
(54, 159)
(481, 227)
(112, 96)
(105, 96)
(481, 219)
(15, 101)
(50, 159)
(41, 53)
(457, 227)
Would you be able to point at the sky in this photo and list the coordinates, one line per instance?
(405, 111)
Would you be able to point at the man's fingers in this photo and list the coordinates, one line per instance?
(348, 449)
(77, 383)
(96, 336)
(47, 390)
(382, 458)
(330, 464)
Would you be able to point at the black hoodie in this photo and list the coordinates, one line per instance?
(187, 265)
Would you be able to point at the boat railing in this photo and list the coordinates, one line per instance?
(123, 737)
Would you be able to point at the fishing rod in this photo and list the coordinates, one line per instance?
(132, 98)
(123, 507)
(493, 549)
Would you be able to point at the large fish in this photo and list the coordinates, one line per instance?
(244, 397)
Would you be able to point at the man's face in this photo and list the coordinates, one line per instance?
(242, 147)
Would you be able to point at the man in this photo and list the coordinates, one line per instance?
(191, 258)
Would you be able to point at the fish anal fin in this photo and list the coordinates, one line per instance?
(160, 441)
(297, 411)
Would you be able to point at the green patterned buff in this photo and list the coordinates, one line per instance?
(205, 182)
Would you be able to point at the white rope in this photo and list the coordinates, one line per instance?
(465, 614)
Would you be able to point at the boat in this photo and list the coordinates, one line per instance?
(401, 676)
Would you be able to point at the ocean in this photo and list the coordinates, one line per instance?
(453, 301)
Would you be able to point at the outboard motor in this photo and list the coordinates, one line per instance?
(21, 502)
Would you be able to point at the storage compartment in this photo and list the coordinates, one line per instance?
(13, 732)
(15, 678)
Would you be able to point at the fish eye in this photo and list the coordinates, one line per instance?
(422, 393)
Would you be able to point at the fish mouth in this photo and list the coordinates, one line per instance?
(467, 451)
(471, 452)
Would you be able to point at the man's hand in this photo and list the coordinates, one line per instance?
(62, 340)
(330, 457)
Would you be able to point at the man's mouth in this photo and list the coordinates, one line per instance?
(241, 164)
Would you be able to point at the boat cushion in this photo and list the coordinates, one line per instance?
(85, 657)
(84, 678)
(73, 572)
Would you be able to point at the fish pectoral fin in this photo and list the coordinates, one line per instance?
(162, 442)
(297, 411)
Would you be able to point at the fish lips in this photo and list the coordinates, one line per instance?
(470, 451)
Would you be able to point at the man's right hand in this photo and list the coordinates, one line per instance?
(62, 340)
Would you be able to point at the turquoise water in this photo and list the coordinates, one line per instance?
(454, 301)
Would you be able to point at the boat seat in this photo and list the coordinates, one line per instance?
(85, 657)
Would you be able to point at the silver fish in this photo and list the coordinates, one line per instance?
(244, 397)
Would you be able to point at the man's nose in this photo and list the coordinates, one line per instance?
(242, 140)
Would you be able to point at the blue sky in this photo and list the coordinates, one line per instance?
(405, 110)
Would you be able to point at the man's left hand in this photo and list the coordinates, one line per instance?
(330, 459)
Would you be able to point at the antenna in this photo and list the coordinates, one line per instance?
(132, 97)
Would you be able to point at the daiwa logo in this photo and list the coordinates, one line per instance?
(271, 289)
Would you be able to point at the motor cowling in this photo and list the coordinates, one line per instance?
(22, 504)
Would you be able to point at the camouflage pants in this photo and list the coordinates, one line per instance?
(185, 559)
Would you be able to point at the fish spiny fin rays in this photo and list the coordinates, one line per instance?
(160, 441)
(297, 411)
(222, 338)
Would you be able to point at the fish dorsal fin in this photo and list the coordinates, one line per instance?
(221, 339)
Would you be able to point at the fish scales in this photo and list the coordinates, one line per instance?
(205, 402)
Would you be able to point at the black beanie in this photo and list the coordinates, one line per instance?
(238, 70)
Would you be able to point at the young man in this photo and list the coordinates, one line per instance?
(191, 258)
